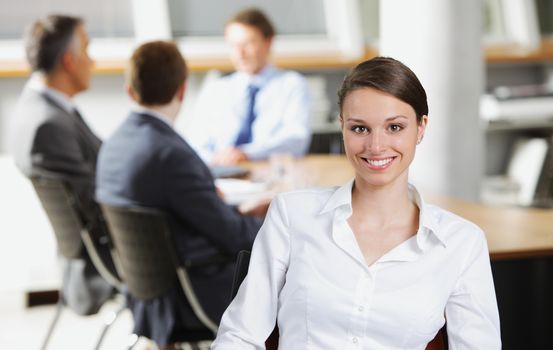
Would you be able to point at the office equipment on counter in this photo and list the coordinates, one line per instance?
(534, 108)
(526, 179)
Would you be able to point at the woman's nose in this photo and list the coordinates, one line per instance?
(375, 142)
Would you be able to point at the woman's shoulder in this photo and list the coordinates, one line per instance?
(451, 226)
(308, 194)
(310, 199)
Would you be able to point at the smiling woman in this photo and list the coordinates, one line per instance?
(380, 135)
(380, 129)
(367, 265)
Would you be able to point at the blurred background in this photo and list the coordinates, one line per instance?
(487, 66)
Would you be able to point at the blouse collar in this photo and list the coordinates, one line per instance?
(340, 202)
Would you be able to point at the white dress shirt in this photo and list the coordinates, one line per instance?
(150, 112)
(282, 108)
(35, 83)
(307, 271)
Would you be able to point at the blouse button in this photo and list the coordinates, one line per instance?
(355, 340)
(361, 308)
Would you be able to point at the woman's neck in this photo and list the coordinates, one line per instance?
(382, 206)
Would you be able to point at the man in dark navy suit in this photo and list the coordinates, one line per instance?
(146, 163)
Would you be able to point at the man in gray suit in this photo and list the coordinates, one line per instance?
(52, 139)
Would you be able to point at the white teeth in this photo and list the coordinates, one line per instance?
(380, 162)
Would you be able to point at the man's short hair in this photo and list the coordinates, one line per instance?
(255, 18)
(48, 39)
(156, 71)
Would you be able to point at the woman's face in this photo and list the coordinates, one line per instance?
(380, 136)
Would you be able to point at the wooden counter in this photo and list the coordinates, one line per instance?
(19, 68)
(511, 232)
(504, 53)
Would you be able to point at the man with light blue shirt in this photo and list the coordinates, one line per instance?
(257, 111)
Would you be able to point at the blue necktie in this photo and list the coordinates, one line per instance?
(245, 134)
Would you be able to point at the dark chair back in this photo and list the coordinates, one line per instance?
(73, 232)
(140, 237)
(59, 206)
(70, 227)
(240, 271)
(439, 341)
(147, 257)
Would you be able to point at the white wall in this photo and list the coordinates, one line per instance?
(440, 40)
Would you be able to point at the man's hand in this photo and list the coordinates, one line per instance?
(256, 208)
(229, 156)
(220, 193)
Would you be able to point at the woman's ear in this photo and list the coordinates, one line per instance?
(421, 128)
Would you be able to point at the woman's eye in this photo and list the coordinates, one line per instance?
(359, 129)
(396, 127)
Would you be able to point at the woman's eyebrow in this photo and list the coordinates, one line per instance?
(356, 120)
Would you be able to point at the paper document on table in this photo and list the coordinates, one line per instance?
(228, 171)
(238, 191)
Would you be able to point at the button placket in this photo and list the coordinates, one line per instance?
(360, 306)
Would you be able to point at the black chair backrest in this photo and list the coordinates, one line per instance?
(59, 205)
(147, 256)
(70, 228)
(240, 271)
(144, 250)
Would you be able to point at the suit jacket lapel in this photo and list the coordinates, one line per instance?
(90, 140)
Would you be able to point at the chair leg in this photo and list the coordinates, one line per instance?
(192, 346)
(204, 345)
(133, 340)
(110, 320)
(186, 346)
(59, 309)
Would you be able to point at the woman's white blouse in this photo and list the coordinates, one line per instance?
(307, 271)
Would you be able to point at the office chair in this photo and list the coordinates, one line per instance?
(148, 260)
(72, 235)
(439, 341)
(240, 272)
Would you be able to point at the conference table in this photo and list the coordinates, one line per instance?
(511, 232)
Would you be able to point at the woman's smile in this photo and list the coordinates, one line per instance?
(378, 163)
